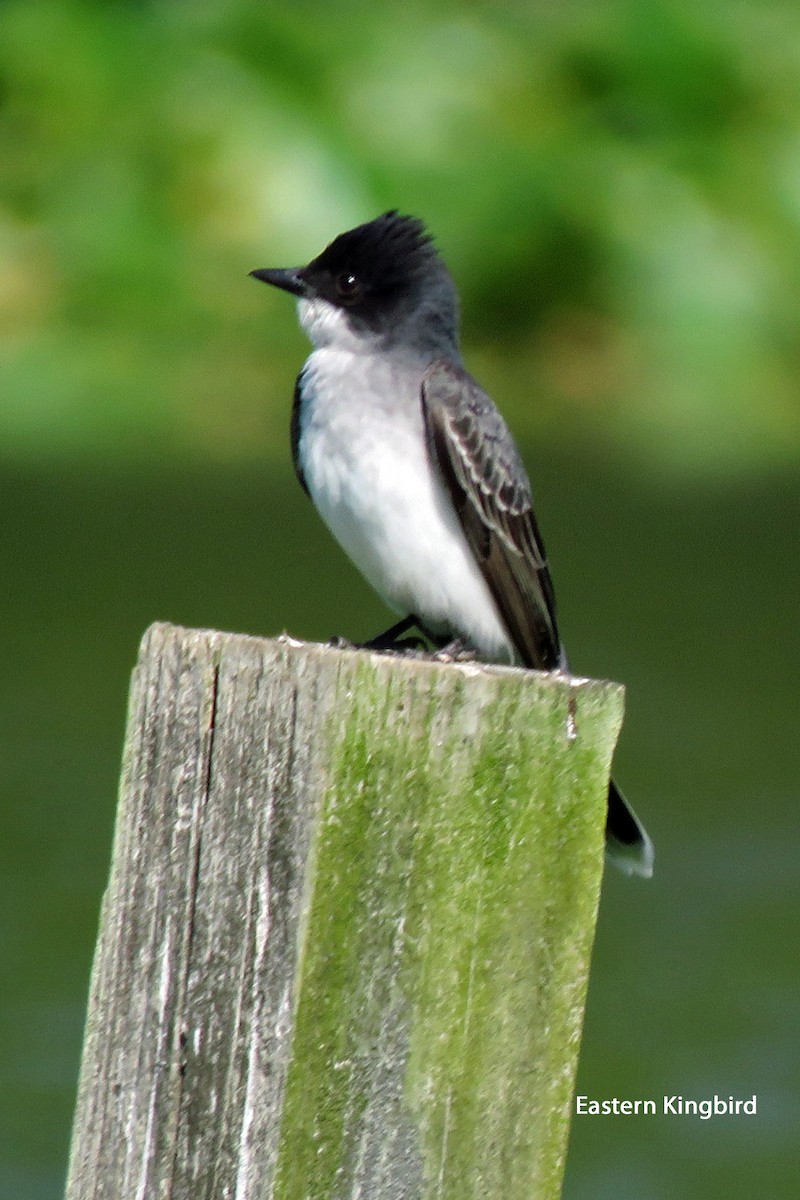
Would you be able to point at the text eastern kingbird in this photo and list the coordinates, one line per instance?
(412, 467)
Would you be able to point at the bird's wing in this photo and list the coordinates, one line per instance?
(486, 479)
(294, 433)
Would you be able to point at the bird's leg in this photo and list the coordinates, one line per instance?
(390, 642)
(393, 638)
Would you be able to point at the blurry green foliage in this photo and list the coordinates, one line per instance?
(615, 183)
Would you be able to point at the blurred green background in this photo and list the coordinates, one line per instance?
(616, 186)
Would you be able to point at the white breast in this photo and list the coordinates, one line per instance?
(363, 453)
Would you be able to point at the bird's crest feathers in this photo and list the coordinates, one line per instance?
(390, 248)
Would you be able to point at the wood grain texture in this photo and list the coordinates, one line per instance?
(344, 947)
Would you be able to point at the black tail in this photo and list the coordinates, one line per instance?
(627, 843)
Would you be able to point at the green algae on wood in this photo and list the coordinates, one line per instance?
(445, 960)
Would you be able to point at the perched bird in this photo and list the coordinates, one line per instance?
(412, 467)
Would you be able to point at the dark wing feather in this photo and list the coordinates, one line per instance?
(294, 433)
(484, 474)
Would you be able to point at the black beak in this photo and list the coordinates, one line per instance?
(290, 279)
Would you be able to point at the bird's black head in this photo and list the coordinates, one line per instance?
(373, 263)
(379, 273)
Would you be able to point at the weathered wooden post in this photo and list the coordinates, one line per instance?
(344, 947)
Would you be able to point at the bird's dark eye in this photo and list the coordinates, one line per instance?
(348, 287)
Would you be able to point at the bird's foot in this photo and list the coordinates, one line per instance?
(390, 642)
(413, 647)
(455, 651)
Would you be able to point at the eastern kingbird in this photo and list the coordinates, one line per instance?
(412, 467)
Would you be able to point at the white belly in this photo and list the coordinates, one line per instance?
(369, 475)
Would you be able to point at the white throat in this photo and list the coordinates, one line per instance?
(325, 325)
